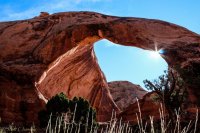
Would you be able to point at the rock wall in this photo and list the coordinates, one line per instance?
(45, 55)
(145, 108)
(124, 93)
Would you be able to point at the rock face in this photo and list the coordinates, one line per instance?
(147, 107)
(43, 56)
(125, 93)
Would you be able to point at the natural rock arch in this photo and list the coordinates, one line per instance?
(54, 53)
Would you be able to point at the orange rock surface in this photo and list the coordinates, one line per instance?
(124, 93)
(144, 107)
(45, 55)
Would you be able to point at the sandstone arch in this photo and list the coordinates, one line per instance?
(48, 54)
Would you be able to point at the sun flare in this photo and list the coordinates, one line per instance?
(154, 54)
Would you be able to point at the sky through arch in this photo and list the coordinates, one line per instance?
(128, 63)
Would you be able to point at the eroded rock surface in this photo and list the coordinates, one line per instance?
(125, 93)
(145, 107)
(43, 56)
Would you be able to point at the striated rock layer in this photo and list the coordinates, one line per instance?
(45, 55)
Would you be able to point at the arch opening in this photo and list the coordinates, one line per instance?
(127, 63)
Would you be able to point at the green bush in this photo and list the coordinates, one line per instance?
(171, 92)
(58, 104)
(55, 107)
(77, 110)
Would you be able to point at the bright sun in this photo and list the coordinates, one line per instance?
(154, 54)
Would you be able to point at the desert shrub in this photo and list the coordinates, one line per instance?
(58, 104)
(76, 112)
(55, 107)
(171, 92)
(84, 112)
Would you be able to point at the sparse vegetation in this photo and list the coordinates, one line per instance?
(116, 126)
(58, 117)
(76, 113)
(171, 92)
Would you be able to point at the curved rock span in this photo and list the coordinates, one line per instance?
(45, 55)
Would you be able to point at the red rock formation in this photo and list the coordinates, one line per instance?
(147, 108)
(48, 54)
(125, 93)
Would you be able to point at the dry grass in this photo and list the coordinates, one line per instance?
(117, 126)
(114, 126)
(14, 129)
